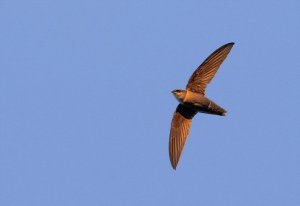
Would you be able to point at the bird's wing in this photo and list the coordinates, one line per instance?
(206, 71)
(179, 131)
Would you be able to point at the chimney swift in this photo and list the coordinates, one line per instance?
(193, 100)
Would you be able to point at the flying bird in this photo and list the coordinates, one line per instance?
(193, 100)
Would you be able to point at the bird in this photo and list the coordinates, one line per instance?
(193, 100)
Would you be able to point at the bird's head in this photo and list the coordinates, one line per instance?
(179, 94)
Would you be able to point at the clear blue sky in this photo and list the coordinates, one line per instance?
(86, 103)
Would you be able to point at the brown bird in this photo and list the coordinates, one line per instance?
(193, 100)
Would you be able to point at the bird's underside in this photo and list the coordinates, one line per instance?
(193, 100)
(202, 104)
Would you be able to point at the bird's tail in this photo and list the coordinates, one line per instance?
(216, 109)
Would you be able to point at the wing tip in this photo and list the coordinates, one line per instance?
(174, 166)
(173, 161)
(229, 44)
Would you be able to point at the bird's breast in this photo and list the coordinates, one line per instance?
(192, 97)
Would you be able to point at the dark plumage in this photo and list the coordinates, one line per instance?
(193, 100)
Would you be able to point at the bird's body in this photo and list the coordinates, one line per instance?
(193, 100)
(200, 103)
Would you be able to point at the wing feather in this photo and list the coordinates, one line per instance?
(207, 70)
(179, 131)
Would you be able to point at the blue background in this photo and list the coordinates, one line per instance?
(86, 103)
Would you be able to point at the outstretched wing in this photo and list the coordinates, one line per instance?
(206, 71)
(180, 127)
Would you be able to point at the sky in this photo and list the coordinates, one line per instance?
(86, 103)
